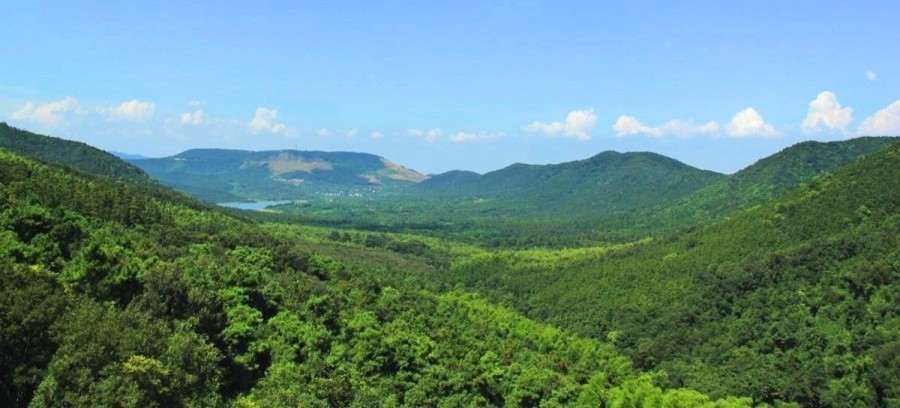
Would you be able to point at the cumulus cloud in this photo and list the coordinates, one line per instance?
(686, 128)
(49, 114)
(629, 125)
(377, 135)
(133, 110)
(882, 123)
(871, 75)
(578, 124)
(352, 133)
(197, 104)
(192, 118)
(430, 135)
(825, 110)
(264, 119)
(324, 132)
(749, 122)
(473, 137)
(548, 128)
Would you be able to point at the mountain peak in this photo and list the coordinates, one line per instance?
(240, 175)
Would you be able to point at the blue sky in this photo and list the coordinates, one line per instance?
(437, 86)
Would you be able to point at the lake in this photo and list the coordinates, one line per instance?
(255, 206)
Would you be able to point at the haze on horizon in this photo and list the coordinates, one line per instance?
(471, 86)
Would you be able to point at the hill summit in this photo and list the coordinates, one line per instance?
(239, 175)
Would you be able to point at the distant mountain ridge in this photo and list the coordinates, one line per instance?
(607, 182)
(239, 175)
(128, 156)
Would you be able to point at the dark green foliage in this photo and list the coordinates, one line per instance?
(70, 153)
(765, 180)
(32, 302)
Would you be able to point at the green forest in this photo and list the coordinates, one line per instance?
(776, 286)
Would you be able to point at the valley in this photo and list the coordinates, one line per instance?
(622, 277)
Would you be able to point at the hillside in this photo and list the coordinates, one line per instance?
(77, 155)
(793, 300)
(236, 175)
(767, 178)
(606, 183)
(123, 298)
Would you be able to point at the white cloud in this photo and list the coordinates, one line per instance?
(192, 118)
(629, 125)
(324, 132)
(749, 122)
(882, 123)
(825, 110)
(377, 135)
(871, 75)
(264, 119)
(134, 110)
(686, 128)
(197, 104)
(431, 135)
(578, 124)
(352, 133)
(550, 129)
(473, 137)
(49, 114)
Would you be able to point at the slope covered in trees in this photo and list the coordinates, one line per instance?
(117, 296)
(794, 300)
(766, 179)
(70, 153)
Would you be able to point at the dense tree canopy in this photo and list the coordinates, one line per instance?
(124, 293)
(116, 295)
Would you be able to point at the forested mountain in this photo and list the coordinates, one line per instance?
(121, 293)
(610, 198)
(570, 204)
(114, 295)
(77, 155)
(236, 175)
(794, 300)
(606, 183)
(766, 179)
